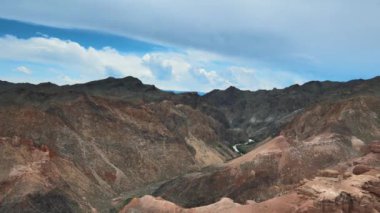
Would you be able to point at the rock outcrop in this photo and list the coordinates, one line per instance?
(104, 138)
(322, 136)
(352, 193)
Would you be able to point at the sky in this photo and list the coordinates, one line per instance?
(189, 45)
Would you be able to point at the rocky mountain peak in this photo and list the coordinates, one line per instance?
(47, 84)
(232, 89)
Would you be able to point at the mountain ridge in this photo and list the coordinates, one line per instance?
(96, 145)
(136, 80)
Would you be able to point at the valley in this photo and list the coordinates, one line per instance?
(123, 146)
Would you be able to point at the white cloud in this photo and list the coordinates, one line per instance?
(272, 30)
(184, 71)
(69, 80)
(192, 70)
(249, 78)
(24, 70)
(174, 64)
(212, 76)
(88, 62)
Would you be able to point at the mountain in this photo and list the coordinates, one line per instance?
(262, 114)
(321, 137)
(86, 144)
(95, 146)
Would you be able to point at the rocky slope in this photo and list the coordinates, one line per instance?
(262, 114)
(94, 146)
(322, 136)
(100, 145)
(344, 188)
(354, 194)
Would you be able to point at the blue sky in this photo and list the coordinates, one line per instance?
(190, 45)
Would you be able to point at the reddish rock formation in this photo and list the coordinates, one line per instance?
(320, 137)
(318, 195)
(360, 169)
(88, 146)
(375, 146)
(357, 193)
(99, 146)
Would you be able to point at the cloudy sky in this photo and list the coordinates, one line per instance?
(190, 45)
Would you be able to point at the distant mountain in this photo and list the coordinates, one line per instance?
(95, 146)
(182, 92)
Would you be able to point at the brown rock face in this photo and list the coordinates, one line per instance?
(360, 169)
(329, 173)
(264, 114)
(375, 146)
(89, 147)
(356, 194)
(306, 146)
(93, 147)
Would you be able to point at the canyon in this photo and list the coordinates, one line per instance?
(118, 145)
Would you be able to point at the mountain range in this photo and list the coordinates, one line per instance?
(118, 145)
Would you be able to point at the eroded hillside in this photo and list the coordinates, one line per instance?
(95, 146)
